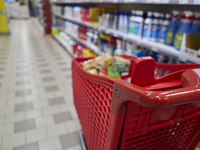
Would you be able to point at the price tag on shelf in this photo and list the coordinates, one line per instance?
(196, 1)
(165, 1)
(183, 1)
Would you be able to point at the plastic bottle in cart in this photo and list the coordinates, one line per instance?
(196, 23)
(155, 27)
(139, 24)
(164, 28)
(172, 28)
(147, 26)
(185, 27)
(115, 21)
(132, 22)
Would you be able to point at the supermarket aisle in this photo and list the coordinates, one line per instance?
(36, 102)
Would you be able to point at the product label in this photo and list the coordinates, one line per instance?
(169, 36)
(132, 28)
(178, 40)
(155, 31)
(145, 30)
(163, 32)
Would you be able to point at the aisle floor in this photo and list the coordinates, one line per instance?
(36, 100)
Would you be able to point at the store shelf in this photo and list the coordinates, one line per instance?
(176, 2)
(154, 46)
(64, 44)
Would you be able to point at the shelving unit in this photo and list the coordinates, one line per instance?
(154, 46)
(174, 2)
(124, 4)
(64, 44)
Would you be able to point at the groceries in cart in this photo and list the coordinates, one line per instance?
(107, 65)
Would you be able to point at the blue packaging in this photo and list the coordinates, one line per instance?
(196, 23)
(185, 27)
(172, 29)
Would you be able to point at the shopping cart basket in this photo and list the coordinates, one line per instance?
(148, 113)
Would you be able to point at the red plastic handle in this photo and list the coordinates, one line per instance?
(124, 92)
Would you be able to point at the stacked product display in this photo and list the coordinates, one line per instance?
(153, 26)
(157, 32)
(15, 10)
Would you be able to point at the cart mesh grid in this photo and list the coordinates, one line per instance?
(139, 132)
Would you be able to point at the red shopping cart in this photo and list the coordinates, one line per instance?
(151, 112)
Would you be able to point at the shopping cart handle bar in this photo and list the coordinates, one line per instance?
(124, 92)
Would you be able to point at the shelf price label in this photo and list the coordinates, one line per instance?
(183, 1)
(196, 1)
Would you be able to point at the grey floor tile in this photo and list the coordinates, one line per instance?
(68, 76)
(69, 140)
(1, 76)
(51, 89)
(56, 101)
(45, 71)
(43, 65)
(32, 146)
(23, 93)
(62, 117)
(66, 69)
(2, 69)
(58, 58)
(22, 82)
(24, 125)
(41, 60)
(62, 63)
(23, 106)
(48, 79)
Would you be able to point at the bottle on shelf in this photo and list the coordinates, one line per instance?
(155, 27)
(132, 22)
(119, 50)
(172, 28)
(125, 23)
(164, 28)
(139, 24)
(147, 26)
(121, 21)
(184, 27)
(115, 20)
(196, 23)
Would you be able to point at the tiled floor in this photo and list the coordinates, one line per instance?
(36, 101)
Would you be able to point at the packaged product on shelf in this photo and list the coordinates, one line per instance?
(132, 22)
(184, 27)
(196, 23)
(77, 12)
(121, 21)
(139, 24)
(164, 28)
(85, 14)
(172, 28)
(128, 50)
(155, 27)
(115, 20)
(125, 23)
(119, 49)
(147, 26)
